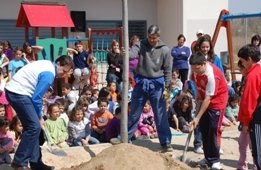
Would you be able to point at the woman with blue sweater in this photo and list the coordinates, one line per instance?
(180, 54)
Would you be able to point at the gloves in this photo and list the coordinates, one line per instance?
(166, 94)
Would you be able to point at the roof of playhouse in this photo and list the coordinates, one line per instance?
(44, 15)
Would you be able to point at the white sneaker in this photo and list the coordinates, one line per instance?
(202, 162)
(216, 166)
(115, 141)
(199, 150)
(221, 152)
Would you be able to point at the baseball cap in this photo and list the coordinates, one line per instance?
(200, 32)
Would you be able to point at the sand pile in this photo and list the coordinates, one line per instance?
(131, 157)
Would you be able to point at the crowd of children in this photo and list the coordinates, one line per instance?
(93, 116)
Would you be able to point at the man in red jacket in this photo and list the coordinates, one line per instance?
(250, 105)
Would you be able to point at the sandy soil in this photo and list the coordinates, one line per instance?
(128, 156)
(141, 155)
(144, 154)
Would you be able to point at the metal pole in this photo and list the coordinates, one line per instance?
(125, 77)
(246, 31)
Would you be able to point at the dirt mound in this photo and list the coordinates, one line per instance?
(131, 157)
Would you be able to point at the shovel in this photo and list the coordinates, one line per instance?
(56, 151)
(183, 157)
(48, 141)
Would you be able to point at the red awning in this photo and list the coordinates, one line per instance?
(44, 15)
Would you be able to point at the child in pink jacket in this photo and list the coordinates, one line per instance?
(146, 125)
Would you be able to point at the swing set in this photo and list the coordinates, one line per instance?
(224, 21)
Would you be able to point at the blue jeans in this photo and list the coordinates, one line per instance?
(98, 136)
(78, 142)
(149, 89)
(28, 149)
(197, 138)
(5, 157)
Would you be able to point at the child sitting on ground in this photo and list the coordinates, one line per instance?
(79, 129)
(182, 113)
(87, 93)
(83, 102)
(176, 84)
(70, 95)
(55, 127)
(113, 88)
(100, 119)
(16, 130)
(114, 126)
(146, 125)
(232, 108)
(95, 95)
(63, 107)
(6, 141)
(2, 110)
(51, 95)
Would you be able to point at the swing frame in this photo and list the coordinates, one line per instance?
(224, 21)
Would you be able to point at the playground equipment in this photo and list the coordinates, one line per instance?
(44, 14)
(99, 44)
(224, 21)
(54, 15)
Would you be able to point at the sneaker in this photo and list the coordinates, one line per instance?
(144, 137)
(167, 148)
(153, 136)
(216, 166)
(41, 166)
(203, 162)
(221, 152)
(17, 167)
(115, 141)
(199, 150)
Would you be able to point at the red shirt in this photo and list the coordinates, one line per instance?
(212, 83)
(251, 92)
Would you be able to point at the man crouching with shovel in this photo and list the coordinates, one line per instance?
(212, 90)
(25, 92)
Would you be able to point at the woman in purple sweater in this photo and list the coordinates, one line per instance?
(180, 54)
(133, 61)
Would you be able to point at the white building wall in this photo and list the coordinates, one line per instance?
(203, 14)
(95, 9)
(187, 16)
(170, 20)
(173, 16)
